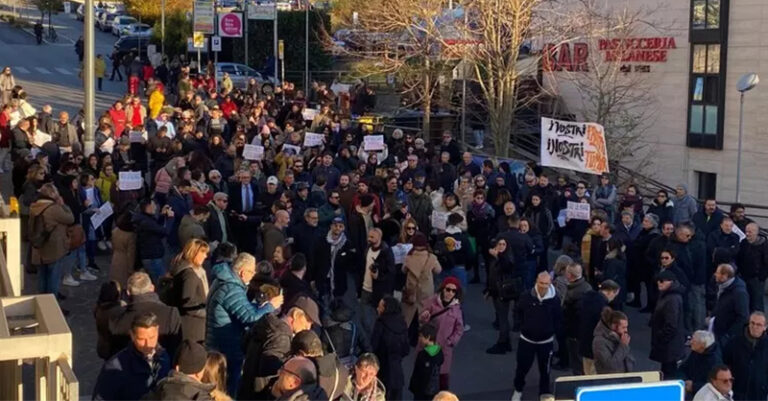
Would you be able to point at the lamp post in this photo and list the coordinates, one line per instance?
(306, 48)
(747, 82)
(88, 78)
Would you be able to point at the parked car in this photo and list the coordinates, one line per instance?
(130, 44)
(80, 13)
(116, 8)
(121, 22)
(241, 74)
(137, 29)
(105, 21)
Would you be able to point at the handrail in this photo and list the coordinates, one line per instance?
(68, 385)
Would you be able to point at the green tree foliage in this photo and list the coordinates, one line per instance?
(150, 10)
(177, 30)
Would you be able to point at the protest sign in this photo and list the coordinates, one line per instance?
(41, 138)
(577, 211)
(136, 136)
(574, 146)
(309, 114)
(253, 152)
(400, 251)
(102, 214)
(740, 233)
(439, 220)
(373, 142)
(291, 150)
(312, 139)
(338, 88)
(130, 180)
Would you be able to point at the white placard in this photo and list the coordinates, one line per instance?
(577, 211)
(101, 214)
(41, 138)
(130, 180)
(291, 149)
(309, 114)
(312, 139)
(740, 233)
(439, 220)
(136, 136)
(373, 142)
(262, 11)
(340, 88)
(573, 145)
(400, 251)
(253, 152)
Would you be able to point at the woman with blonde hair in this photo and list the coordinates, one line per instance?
(408, 229)
(215, 373)
(189, 289)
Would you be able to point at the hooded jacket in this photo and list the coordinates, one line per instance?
(179, 386)
(539, 316)
(332, 376)
(229, 313)
(667, 326)
(426, 371)
(611, 356)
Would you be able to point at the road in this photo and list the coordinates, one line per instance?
(49, 73)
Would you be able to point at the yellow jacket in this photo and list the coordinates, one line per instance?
(99, 67)
(156, 101)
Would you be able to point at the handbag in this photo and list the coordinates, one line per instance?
(76, 236)
(510, 288)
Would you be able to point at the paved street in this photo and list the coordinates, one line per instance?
(49, 74)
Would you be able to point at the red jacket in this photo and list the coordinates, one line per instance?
(227, 107)
(118, 120)
(5, 131)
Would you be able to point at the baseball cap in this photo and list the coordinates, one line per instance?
(272, 180)
(310, 309)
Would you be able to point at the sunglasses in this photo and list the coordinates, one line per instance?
(665, 258)
(410, 228)
(449, 289)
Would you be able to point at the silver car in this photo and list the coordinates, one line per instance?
(240, 74)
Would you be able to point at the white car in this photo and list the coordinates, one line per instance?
(121, 22)
(240, 74)
(137, 29)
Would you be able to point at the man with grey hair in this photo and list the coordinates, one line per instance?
(305, 232)
(230, 313)
(577, 287)
(142, 298)
(752, 260)
(731, 311)
(705, 354)
(217, 226)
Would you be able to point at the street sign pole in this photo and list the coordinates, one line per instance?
(245, 35)
(281, 55)
(275, 44)
(215, 33)
(88, 78)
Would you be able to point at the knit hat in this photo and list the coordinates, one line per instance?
(191, 357)
(419, 240)
(302, 368)
(451, 280)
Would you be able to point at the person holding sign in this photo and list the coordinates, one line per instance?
(151, 229)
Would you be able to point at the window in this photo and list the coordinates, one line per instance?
(705, 14)
(707, 183)
(705, 97)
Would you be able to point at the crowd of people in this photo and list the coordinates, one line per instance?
(310, 271)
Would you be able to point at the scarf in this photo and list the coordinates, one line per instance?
(336, 245)
(479, 210)
(723, 286)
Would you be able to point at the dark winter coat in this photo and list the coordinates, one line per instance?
(338, 334)
(725, 245)
(181, 205)
(425, 379)
(627, 235)
(332, 375)
(752, 259)
(129, 376)
(167, 316)
(103, 314)
(384, 284)
(267, 346)
(665, 212)
(307, 392)
(749, 366)
(304, 237)
(731, 311)
(592, 304)
(636, 254)
(681, 276)
(667, 326)
(539, 317)
(390, 344)
(229, 313)
(615, 268)
(188, 295)
(319, 261)
(706, 224)
(178, 386)
(541, 217)
(150, 233)
(571, 303)
(697, 366)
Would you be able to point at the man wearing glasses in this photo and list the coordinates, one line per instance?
(747, 356)
(719, 386)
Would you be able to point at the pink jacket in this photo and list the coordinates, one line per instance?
(450, 327)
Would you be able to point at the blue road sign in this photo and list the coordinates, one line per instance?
(672, 390)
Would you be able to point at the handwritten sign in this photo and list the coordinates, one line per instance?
(291, 149)
(400, 251)
(130, 180)
(136, 136)
(373, 142)
(253, 152)
(439, 220)
(574, 146)
(309, 114)
(577, 211)
(102, 214)
(312, 139)
(41, 138)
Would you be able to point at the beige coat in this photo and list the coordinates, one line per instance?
(123, 255)
(56, 219)
(420, 267)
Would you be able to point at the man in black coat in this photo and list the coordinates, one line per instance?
(268, 345)
(332, 258)
(518, 243)
(361, 220)
(747, 356)
(708, 218)
(217, 227)
(243, 211)
(184, 381)
(379, 274)
(639, 269)
(752, 260)
(577, 288)
(143, 299)
(732, 308)
(305, 232)
(690, 252)
(592, 304)
(723, 241)
(667, 331)
(705, 355)
(294, 282)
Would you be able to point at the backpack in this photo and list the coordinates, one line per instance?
(38, 235)
(166, 290)
(349, 360)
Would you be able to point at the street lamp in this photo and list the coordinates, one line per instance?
(747, 82)
(306, 48)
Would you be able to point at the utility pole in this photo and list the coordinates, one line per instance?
(245, 34)
(88, 78)
(306, 47)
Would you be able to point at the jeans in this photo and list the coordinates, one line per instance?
(696, 311)
(155, 268)
(49, 277)
(525, 353)
(756, 291)
(502, 317)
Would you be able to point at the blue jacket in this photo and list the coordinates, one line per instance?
(90, 210)
(229, 313)
(697, 366)
(128, 375)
